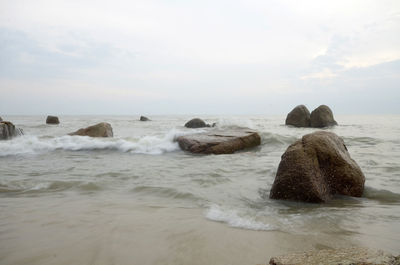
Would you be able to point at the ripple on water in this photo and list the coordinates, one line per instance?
(165, 192)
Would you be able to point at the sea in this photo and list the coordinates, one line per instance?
(137, 198)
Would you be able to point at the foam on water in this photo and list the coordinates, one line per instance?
(154, 145)
(235, 122)
(234, 219)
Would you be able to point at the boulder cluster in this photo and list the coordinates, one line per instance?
(319, 118)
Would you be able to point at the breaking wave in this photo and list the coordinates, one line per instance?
(234, 219)
(29, 145)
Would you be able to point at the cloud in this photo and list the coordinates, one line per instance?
(245, 52)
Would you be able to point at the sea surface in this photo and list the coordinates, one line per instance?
(137, 198)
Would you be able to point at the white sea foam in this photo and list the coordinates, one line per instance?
(26, 145)
(235, 122)
(234, 219)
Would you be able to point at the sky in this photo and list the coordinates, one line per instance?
(236, 57)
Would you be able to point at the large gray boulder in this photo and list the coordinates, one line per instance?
(219, 141)
(52, 120)
(315, 168)
(8, 130)
(298, 117)
(322, 117)
(102, 129)
(196, 123)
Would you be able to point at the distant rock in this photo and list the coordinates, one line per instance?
(298, 117)
(219, 141)
(315, 168)
(144, 118)
(343, 256)
(322, 117)
(102, 129)
(8, 130)
(52, 120)
(196, 123)
(1, 119)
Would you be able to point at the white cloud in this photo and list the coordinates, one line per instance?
(159, 49)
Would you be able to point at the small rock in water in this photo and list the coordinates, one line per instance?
(315, 168)
(102, 129)
(52, 120)
(8, 130)
(345, 256)
(196, 123)
(144, 118)
(219, 141)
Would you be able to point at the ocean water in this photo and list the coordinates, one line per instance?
(138, 199)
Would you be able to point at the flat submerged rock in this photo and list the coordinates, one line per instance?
(218, 141)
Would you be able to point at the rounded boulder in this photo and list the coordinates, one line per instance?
(315, 168)
(196, 123)
(298, 117)
(102, 129)
(322, 117)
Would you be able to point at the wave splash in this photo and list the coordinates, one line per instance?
(30, 145)
(234, 219)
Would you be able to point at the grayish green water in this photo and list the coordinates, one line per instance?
(137, 199)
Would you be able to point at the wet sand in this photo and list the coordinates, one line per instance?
(121, 232)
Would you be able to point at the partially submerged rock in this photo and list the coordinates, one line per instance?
(8, 130)
(102, 129)
(298, 117)
(52, 120)
(322, 117)
(315, 168)
(219, 141)
(345, 256)
(144, 118)
(196, 123)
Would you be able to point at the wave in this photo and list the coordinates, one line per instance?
(28, 145)
(268, 138)
(234, 219)
(48, 186)
(235, 123)
(383, 196)
(166, 192)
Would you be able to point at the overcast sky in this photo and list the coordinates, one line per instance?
(198, 57)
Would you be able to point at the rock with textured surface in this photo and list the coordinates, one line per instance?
(144, 118)
(298, 117)
(345, 256)
(196, 123)
(102, 129)
(322, 117)
(52, 120)
(219, 141)
(8, 130)
(315, 168)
